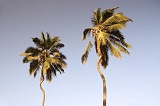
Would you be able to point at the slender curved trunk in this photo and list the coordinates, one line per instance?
(43, 92)
(104, 82)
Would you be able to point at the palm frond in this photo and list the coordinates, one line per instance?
(31, 58)
(126, 44)
(59, 45)
(118, 18)
(25, 54)
(46, 66)
(114, 51)
(37, 42)
(120, 47)
(34, 67)
(86, 32)
(33, 51)
(86, 53)
(96, 16)
(107, 13)
(49, 75)
(43, 39)
(105, 57)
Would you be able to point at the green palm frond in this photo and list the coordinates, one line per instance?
(86, 52)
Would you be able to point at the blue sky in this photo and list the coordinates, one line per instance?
(132, 81)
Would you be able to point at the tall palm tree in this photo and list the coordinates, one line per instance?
(107, 38)
(46, 58)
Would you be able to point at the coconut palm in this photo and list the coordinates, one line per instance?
(107, 38)
(46, 58)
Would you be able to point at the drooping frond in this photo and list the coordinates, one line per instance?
(120, 47)
(114, 51)
(86, 53)
(105, 57)
(49, 75)
(86, 32)
(34, 67)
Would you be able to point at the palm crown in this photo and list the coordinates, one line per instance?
(106, 33)
(45, 56)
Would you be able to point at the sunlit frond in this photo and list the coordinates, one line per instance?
(86, 53)
(31, 58)
(25, 54)
(120, 47)
(114, 51)
(46, 66)
(126, 44)
(118, 18)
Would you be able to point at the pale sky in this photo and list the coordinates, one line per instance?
(132, 81)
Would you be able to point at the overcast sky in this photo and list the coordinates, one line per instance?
(132, 81)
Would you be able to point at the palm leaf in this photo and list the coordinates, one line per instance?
(114, 51)
(37, 42)
(49, 75)
(96, 16)
(86, 53)
(107, 13)
(86, 32)
(43, 37)
(31, 58)
(34, 67)
(126, 44)
(120, 47)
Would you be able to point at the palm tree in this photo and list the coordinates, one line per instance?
(46, 58)
(107, 38)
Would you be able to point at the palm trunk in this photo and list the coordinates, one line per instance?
(43, 92)
(104, 82)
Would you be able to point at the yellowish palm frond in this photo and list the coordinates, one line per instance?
(31, 58)
(114, 51)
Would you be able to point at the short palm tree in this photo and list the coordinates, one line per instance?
(107, 38)
(46, 58)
